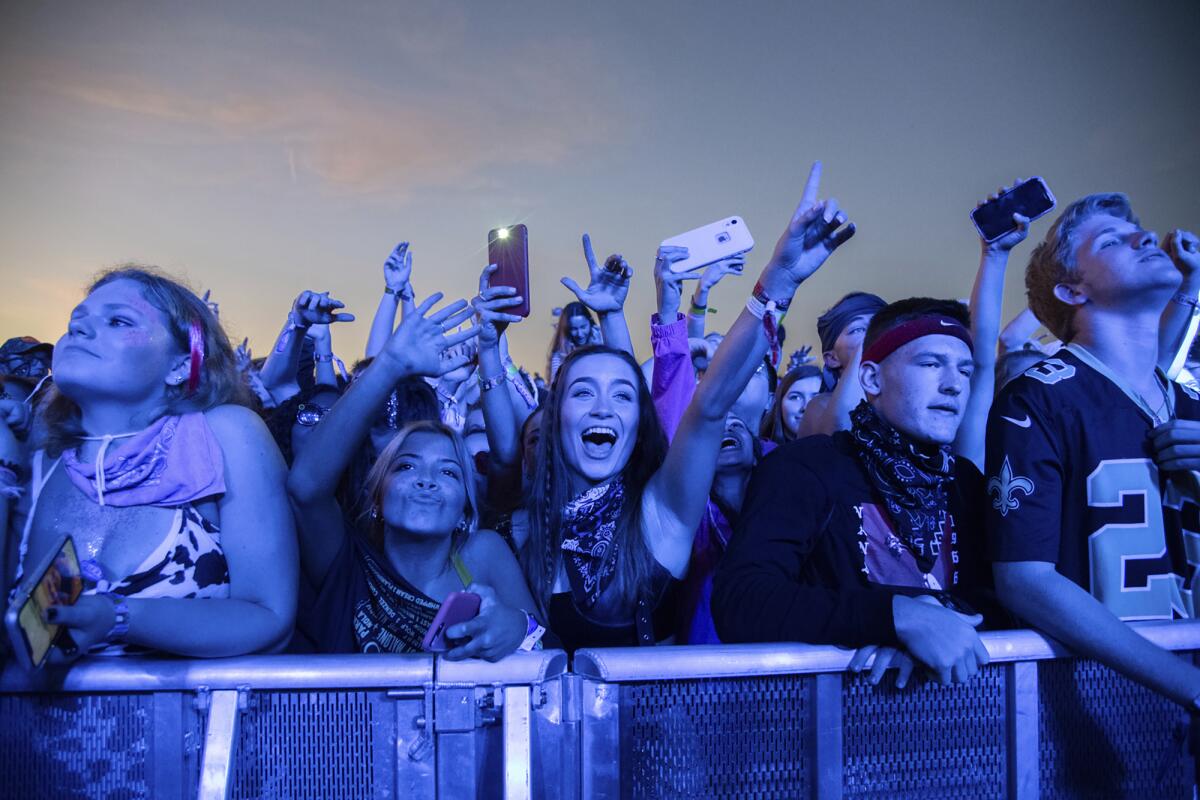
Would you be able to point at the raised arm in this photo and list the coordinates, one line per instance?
(711, 276)
(309, 308)
(608, 286)
(416, 348)
(679, 490)
(397, 290)
(987, 298)
(673, 380)
(499, 415)
(323, 355)
(1179, 321)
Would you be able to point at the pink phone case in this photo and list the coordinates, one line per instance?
(459, 607)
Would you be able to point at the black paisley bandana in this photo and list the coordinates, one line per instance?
(589, 540)
(910, 477)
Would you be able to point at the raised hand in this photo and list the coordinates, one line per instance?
(670, 283)
(419, 346)
(397, 270)
(214, 307)
(815, 230)
(800, 357)
(607, 286)
(1013, 238)
(319, 334)
(242, 356)
(713, 273)
(1184, 249)
(489, 316)
(318, 308)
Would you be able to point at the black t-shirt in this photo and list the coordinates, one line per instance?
(814, 557)
(1072, 481)
(365, 606)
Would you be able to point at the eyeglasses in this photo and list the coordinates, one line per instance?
(309, 414)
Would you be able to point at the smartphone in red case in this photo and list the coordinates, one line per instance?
(458, 607)
(508, 249)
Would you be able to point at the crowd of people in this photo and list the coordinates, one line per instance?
(928, 475)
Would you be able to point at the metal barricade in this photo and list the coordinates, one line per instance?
(282, 727)
(787, 721)
(754, 721)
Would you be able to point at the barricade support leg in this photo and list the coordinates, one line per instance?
(826, 735)
(600, 751)
(1021, 713)
(220, 743)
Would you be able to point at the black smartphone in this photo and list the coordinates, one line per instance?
(994, 218)
(57, 581)
(508, 249)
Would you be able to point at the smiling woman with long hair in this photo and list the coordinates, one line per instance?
(612, 510)
(172, 489)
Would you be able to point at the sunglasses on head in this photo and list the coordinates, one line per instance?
(309, 414)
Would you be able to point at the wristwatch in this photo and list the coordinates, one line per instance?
(120, 628)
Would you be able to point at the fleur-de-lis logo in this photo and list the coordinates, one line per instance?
(1006, 485)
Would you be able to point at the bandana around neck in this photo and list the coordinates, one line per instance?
(174, 461)
(589, 540)
(910, 477)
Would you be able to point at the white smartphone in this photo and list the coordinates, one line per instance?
(722, 239)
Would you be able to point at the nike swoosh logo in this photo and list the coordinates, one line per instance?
(945, 324)
(1020, 423)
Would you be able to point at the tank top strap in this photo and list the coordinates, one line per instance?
(460, 567)
(37, 482)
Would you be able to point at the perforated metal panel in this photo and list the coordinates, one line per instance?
(924, 740)
(727, 738)
(74, 746)
(310, 744)
(1105, 736)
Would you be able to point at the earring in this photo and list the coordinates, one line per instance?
(461, 528)
(374, 513)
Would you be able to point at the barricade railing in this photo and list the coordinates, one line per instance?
(766, 721)
(286, 726)
(745, 721)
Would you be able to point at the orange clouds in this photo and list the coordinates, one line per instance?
(416, 126)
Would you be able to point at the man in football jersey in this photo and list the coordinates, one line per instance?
(871, 538)
(1092, 516)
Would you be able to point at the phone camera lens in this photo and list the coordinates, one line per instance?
(733, 222)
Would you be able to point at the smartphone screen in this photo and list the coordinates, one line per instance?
(508, 249)
(1030, 199)
(60, 585)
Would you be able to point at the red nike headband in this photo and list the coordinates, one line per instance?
(895, 338)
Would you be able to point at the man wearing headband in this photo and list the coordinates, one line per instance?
(1091, 454)
(841, 330)
(869, 538)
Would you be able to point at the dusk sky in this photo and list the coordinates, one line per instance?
(259, 149)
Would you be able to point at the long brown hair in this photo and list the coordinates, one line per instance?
(773, 427)
(220, 381)
(550, 491)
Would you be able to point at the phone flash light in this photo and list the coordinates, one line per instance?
(502, 233)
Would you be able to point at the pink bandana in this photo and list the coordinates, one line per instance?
(176, 460)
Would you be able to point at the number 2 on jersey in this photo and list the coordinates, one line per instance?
(1110, 547)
